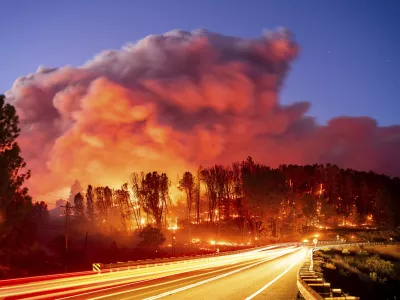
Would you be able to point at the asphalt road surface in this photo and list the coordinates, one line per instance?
(268, 273)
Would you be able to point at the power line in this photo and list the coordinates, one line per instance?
(61, 226)
(48, 195)
(50, 225)
(52, 203)
(77, 233)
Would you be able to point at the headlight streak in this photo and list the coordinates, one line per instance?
(165, 283)
(298, 258)
(201, 282)
(128, 275)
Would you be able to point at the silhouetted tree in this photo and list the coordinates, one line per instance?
(198, 185)
(75, 189)
(16, 228)
(208, 176)
(90, 204)
(187, 185)
(151, 237)
(137, 201)
(310, 209)
(264, 189)
(100, 204)
(124, 207)
(40, 212)
(154, 193)
(329, 214)
(79, 207)
(108, 198)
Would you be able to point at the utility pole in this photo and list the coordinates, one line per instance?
(198, 197)
(86, 241)
(66, 226)
(67, 212)
(173, 242)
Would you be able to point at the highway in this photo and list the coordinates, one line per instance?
(266, 273)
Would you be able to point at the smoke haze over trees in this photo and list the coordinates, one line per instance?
(177, 100)
(192, 103)
(267, 202)
(246, 200)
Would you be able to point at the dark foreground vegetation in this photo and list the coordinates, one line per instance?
(217, 207)
(360, 272)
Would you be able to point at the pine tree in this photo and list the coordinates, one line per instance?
(16, 228)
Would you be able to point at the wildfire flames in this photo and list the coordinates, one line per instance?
(173, 101)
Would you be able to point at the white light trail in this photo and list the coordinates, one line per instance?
(210, 279)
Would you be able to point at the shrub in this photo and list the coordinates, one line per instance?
(317, 254)
(379, 266)
(151, 236)
(382, 280)
(326, 255)
(330, 266)
(362, 253)
(344, 272)
(359, 262)
(349, 260)
(317, 268)
(373, 276)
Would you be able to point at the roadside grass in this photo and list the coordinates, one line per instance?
(358, 271)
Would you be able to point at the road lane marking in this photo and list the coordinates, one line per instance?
(271, 282)
(124, 276)
(213, 264)
(92, 279)
(176, 280)
(65, 281)
(208, 280)
(105, 277)
(146, 287)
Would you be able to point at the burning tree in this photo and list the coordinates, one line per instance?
(90, 204)
(209, 179)
(123, 206)
(79, 207)
(137, 201)
(188, 186)
(100, 203)
(198, 195)
(264, 189)
(154, 192)
(252, 195)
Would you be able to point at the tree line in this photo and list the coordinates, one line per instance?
(291, 198)
(257, 198)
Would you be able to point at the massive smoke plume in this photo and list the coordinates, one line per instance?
(171, 102)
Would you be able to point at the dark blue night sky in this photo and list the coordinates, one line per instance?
(349, 63)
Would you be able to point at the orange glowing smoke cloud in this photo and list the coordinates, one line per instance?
(171, 102)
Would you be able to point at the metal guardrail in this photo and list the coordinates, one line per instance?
(112, 267)
(119, 266)
(307, 271)
(311, 284)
